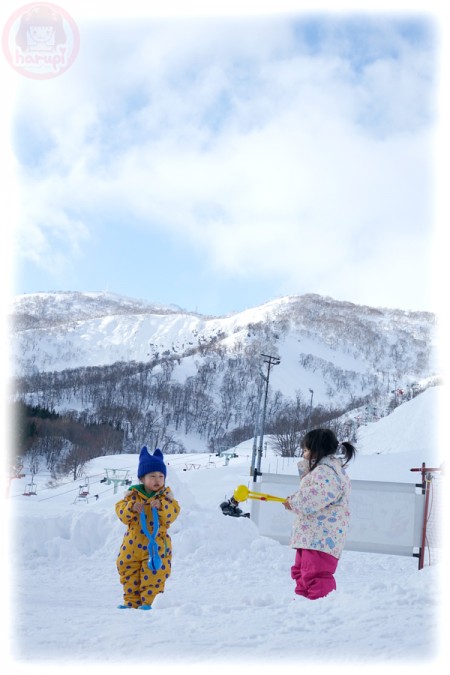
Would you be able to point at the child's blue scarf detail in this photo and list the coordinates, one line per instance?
(154, 559)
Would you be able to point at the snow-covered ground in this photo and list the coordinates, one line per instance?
(230, 600)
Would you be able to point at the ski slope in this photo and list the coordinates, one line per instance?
(230, 600)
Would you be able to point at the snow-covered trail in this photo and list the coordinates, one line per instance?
(68, 613)
(230, 596)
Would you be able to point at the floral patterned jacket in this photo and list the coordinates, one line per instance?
(321, 507)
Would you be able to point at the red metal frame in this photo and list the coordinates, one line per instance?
(426, 487)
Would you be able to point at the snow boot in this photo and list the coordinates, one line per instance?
(145, 607)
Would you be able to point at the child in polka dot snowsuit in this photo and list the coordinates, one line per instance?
(141, 584)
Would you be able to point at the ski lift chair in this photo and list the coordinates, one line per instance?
(30, 489)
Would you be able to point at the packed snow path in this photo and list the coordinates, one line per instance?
(230, 597)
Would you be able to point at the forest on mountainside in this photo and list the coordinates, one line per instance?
(202, 386)
(118, 408)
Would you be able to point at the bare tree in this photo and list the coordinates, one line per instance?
(287, 444)
(289, 426)
(75, 461)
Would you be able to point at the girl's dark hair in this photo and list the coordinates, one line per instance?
(323, 442)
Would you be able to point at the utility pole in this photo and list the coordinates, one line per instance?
(271, 361)
(255, 435)
(311, 391)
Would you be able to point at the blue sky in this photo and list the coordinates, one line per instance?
(216, 163)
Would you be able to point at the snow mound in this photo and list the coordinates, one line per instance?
(230, 596)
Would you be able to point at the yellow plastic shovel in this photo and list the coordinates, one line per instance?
(242, 493)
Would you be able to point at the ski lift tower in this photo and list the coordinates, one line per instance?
(117, 477)
(227, 455)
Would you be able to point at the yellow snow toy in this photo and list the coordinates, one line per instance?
(242, 493)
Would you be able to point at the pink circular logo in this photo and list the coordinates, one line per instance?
(41, 40)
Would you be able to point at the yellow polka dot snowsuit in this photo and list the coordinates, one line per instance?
(141, 584)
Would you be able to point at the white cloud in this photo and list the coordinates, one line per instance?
(226, 136)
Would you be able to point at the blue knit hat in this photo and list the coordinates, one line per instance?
(149, 463)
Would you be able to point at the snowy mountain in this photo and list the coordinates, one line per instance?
(42, 310)
(56, 331)
(229, 601)
(113, 359)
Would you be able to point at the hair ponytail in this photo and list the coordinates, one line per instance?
(348, 451)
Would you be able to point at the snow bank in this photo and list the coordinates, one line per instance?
(229, 602)
(413, 425)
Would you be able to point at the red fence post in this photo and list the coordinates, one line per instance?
(426, 490)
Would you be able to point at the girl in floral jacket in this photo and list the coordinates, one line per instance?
(321, 506)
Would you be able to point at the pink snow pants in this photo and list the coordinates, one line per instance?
(313, 573)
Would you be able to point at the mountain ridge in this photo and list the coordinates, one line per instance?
(146, 306)
(205, 375)
(73, 329)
